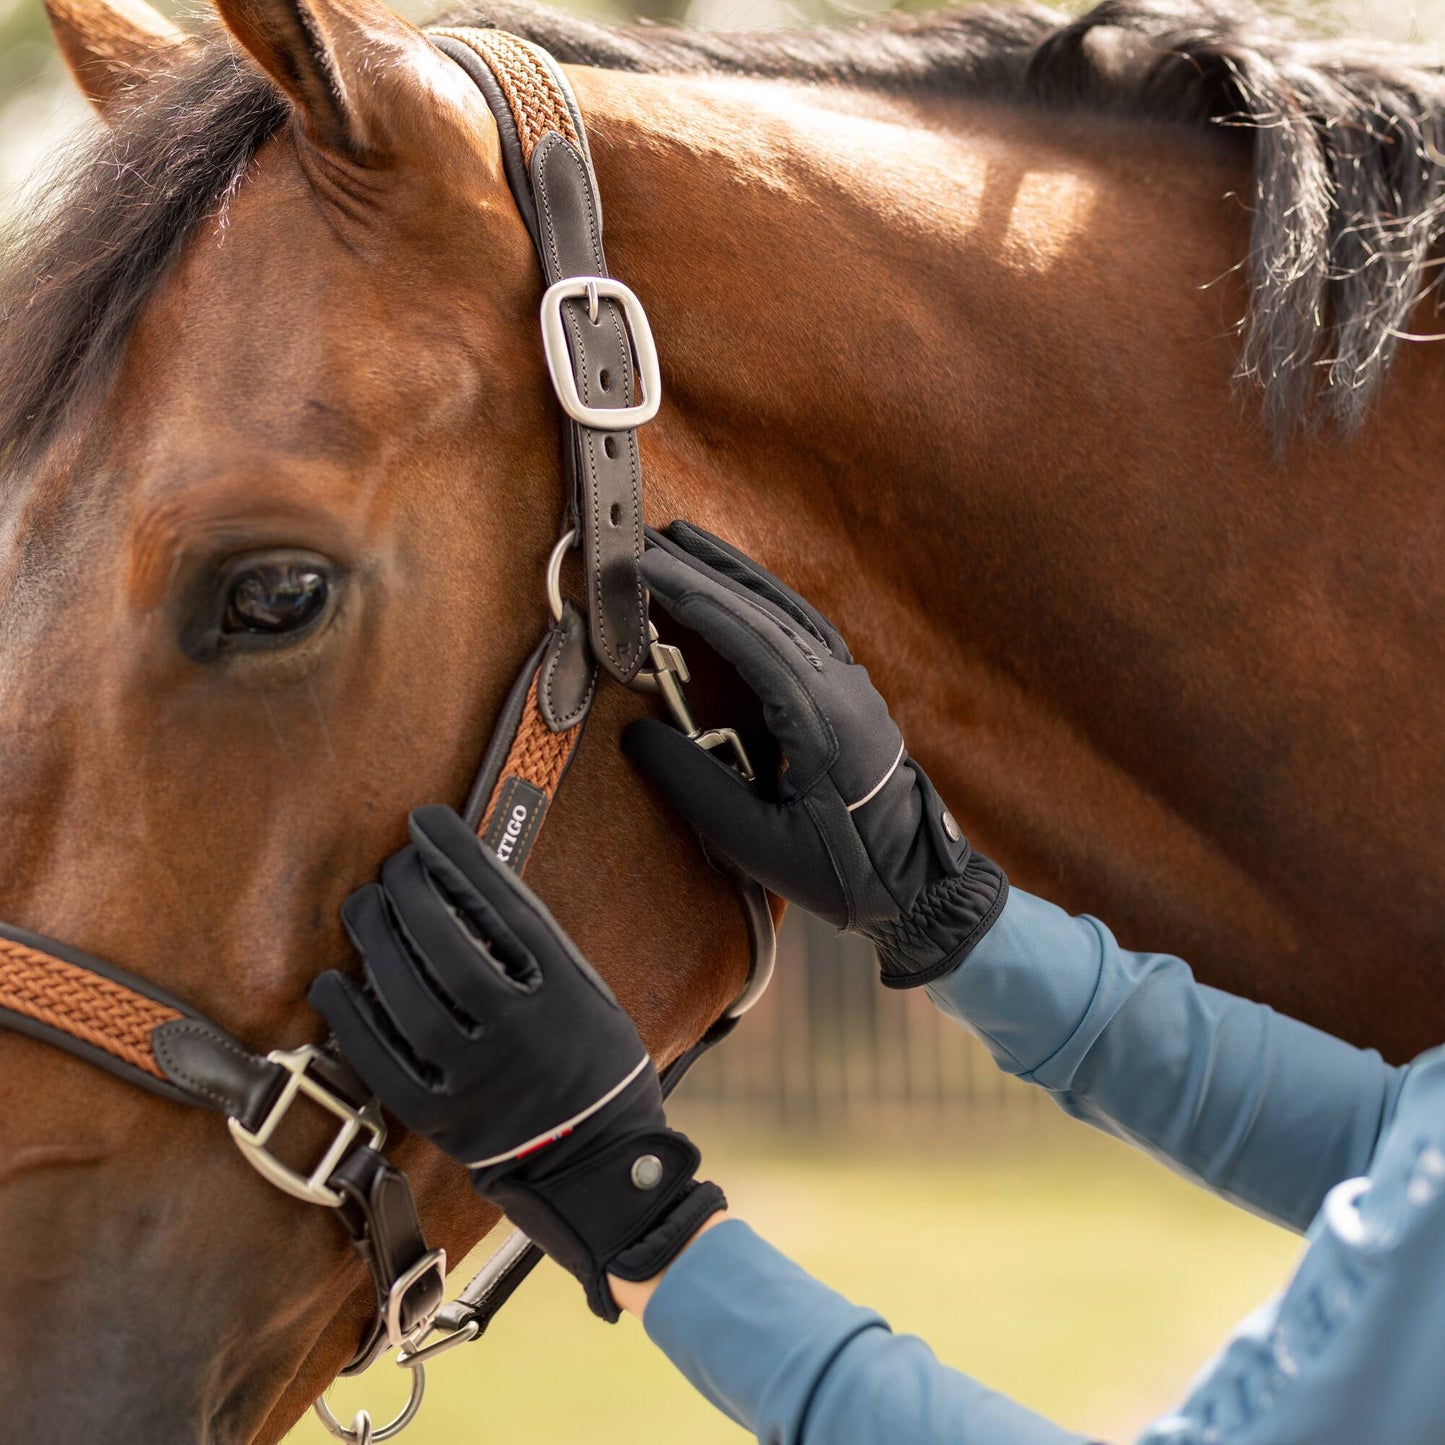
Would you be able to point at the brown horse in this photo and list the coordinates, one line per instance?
(950, 316)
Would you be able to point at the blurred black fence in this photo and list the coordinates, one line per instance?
(827, 1050)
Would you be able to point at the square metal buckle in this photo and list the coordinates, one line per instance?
(433, 1262)
(559, 358)
(311, 1187)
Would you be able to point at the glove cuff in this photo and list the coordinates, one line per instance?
(946, 924)
(634, 1204)
(651, 1255)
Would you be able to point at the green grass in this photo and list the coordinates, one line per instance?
(1052, 1264)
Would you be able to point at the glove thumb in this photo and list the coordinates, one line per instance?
(767, 841)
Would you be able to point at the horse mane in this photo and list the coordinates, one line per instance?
(1345, 136)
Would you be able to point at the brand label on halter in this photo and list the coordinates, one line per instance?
(515, 822)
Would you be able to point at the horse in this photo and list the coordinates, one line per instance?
(1076, 366)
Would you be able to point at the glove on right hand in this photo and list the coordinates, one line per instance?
(856, 833)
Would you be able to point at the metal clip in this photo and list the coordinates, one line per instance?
(310, 1187)
(669, 672)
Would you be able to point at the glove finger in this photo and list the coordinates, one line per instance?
(398, 972)
(369, 1046)
(521, 935)
(678, 572)
(728, 560)
(474, 955)
(777, 845)
(779, 664)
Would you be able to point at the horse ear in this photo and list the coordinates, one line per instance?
(344, 64)
(113, 47)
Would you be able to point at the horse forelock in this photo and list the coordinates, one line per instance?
(1348, 192)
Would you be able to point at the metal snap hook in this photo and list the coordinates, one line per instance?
(360, 1431)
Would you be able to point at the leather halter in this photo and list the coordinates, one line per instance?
(597, 344)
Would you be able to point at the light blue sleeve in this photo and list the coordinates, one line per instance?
(1259, 1108)
(1349, 1352)
(797, 1364)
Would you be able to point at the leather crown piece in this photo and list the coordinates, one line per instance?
(549, 170)
(855, 831)
(481, 1027)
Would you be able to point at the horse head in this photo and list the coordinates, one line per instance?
(280, 480)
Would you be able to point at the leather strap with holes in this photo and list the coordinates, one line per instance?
(549, 169)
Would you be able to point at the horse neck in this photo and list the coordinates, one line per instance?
(908, 343)
(963, 373)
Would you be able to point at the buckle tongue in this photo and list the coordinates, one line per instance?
(301, 1082)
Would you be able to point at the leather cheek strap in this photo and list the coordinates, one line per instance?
(605, 464)
(379, 1214)
(549, 171)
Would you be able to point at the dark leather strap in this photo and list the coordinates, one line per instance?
(380, 1217)
(544, 153)
(215, 1070)
(606, 468)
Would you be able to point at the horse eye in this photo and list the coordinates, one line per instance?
(275, 597)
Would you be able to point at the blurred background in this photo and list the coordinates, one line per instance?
(857, 1129)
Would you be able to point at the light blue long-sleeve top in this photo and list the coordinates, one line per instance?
(1266, 1111)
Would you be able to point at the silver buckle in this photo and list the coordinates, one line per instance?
(559, 359)
(434, 1261)
(311, 1187)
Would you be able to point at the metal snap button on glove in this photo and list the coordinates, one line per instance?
(482, 1027)
(854, 832)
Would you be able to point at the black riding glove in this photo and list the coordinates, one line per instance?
(482, 1027)
(855, 831)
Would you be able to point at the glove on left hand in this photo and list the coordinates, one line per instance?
(484, 1029)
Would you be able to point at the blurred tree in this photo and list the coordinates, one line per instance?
(24, 44)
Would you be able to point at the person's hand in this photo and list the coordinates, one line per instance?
(854, 831)
(481, 1027)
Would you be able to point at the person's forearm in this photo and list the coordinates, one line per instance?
(797, 1364)
(1260, 1108)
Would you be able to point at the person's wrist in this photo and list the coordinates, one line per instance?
(633, 1295)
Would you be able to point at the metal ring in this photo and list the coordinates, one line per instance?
(554, 572)
(365, 1435)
